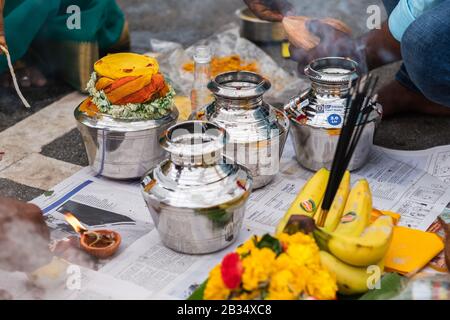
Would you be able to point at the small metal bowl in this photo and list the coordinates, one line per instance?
(257, 30)
(121, 148)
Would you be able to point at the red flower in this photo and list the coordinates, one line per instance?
(232, 270)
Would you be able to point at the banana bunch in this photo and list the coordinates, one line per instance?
(308, 200)
(357, 261)
(351, 246)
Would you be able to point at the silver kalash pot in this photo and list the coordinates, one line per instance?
(121, 148)
(257, 131)
(317, 114)
(197, 197)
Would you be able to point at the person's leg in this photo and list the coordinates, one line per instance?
(426, 51)
(423, 82)
(22, 25)
(396, 98)
(23, 21)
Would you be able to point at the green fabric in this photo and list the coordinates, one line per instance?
(29, 20)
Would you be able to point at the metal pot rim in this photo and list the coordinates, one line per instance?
(314, 73)
(218, 86)
(218, 141)
(107, 122)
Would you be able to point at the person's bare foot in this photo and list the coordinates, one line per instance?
(395, 98)
(27, 76)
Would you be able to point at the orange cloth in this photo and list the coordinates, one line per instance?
(411, 250)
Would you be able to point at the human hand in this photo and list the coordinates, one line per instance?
(24, 236)
(270, 10)
(325, 37)
(2, 42)
(296, 28)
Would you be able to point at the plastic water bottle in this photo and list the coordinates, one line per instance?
(200, 95)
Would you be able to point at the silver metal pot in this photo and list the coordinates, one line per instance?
(197, 197)
(317, 115)
(257, 30)
(123, 149)
(257, 130)
(314, 147)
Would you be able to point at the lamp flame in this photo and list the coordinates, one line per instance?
(75, 223)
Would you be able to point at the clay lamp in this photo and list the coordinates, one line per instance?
(98, 243)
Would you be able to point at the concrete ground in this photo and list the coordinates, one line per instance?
(187, 21)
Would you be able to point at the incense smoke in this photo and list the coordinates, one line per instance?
(22, 246)
(334, 42)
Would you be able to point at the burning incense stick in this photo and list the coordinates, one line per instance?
(357, 112)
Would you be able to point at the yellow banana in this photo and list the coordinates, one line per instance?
(318, 212)
(366, 250)
(338, 205)
(378, 213)
(306, 202)
(357, 210)
(351, 280)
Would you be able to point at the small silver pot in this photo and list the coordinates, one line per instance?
(197, 197)
(257, 30)
(123, 149)
(317, 115)
(257, 130)
(315, 147)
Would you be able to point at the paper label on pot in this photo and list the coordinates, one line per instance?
(334, 119)
(328, 115)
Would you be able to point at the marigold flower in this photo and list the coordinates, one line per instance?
(279, 288)
(215, 287)
(322, 285)
(257, 268)
(248, 246)
(303, 255)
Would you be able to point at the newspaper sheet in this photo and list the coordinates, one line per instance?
(435, 161)
(144, 268)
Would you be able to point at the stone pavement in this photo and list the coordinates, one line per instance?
(47, 151)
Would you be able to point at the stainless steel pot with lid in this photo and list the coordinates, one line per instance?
(197, 197)
(257, 131)
(317, 114)
(123, 148)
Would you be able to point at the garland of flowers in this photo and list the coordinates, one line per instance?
(283, 268)
(155, 109)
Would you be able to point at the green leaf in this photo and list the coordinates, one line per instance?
(199, 292)
(220, 217)
(391, 285)
(49, 193)
(267, 241)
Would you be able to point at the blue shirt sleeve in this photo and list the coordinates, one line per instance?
(406, 12)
